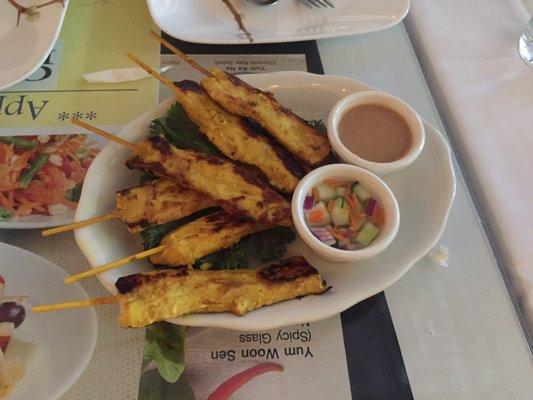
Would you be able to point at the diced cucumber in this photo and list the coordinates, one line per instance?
(340, 191)
(361, 193)
(325, 192)
(340, 212)
(317, 208)
(6, 214)
(367, 234)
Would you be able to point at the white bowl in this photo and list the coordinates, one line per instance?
(410, 116)
(377, 188)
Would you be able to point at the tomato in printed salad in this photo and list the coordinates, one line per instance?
(343, 214)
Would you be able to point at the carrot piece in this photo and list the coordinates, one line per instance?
(336, 234)
(355, 218)
(314, 191)
(353, 201)
(356, 201)
(329, 207)
(378, 216)
(316, 216)
(331, 182)
(350, 201)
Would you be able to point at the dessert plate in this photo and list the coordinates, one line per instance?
(208, 21)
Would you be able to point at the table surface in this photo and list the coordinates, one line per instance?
(458, 332)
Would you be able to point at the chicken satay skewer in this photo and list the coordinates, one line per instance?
(232, 135)
(104, 134)
(153, 296)
(154, 203)
(237, 97)
(75, 304)
(186, 244)
(181, 54)
(80, 224)
(229, 186)
(114, 264)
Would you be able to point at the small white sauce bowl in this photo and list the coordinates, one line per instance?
(410, 116)
(377, 188)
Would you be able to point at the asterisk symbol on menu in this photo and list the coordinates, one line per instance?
(90, 115)
(63, 115)
(77, 115)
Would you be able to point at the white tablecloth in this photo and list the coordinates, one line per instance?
(468, 50)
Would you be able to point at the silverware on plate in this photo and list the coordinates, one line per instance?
(318, 3)
(262, 2)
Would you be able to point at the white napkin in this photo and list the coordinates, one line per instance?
(485, 92)
(119, 75)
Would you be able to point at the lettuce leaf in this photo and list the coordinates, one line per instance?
(265, 245)
(179, 130)
(153, 235)
(164, 345)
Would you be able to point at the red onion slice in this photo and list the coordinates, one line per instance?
(370, 206)
(309, 202)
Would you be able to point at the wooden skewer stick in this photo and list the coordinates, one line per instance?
(75, 304)
(104, 134)
(114, 264)
(181, 54)
(80, 224)
(151, 71)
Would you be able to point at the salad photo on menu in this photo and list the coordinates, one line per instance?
(42, 176)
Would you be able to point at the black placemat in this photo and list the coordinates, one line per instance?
(375, 364)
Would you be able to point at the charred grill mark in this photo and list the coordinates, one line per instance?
(232, 209)
(209, 159)
(188, 85)
(126, 192)
(223, 220)
(161, 145)
(288, 270)
(249, 130)
(239, 82)
(293, 165)
(143, 223)
(129, 283)
(126, 284)
(155, 168)
(251, 179)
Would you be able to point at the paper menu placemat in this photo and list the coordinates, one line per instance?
(231, 63)
(95, 36)
(312, 356)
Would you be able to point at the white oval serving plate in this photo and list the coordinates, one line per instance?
(61, 344)
(24, 48)
(208, 21)
(424, 191)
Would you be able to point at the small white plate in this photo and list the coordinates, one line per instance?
(424, 191)
(24, 48)
(209, 21)
(37, 221)
(62, 343)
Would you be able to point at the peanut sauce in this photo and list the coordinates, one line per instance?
(375, 133)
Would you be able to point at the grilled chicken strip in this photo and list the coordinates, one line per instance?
(237, 97)
(237, 140)
(235, 190)
(201, 237)
(159, 295)
(157, 202)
